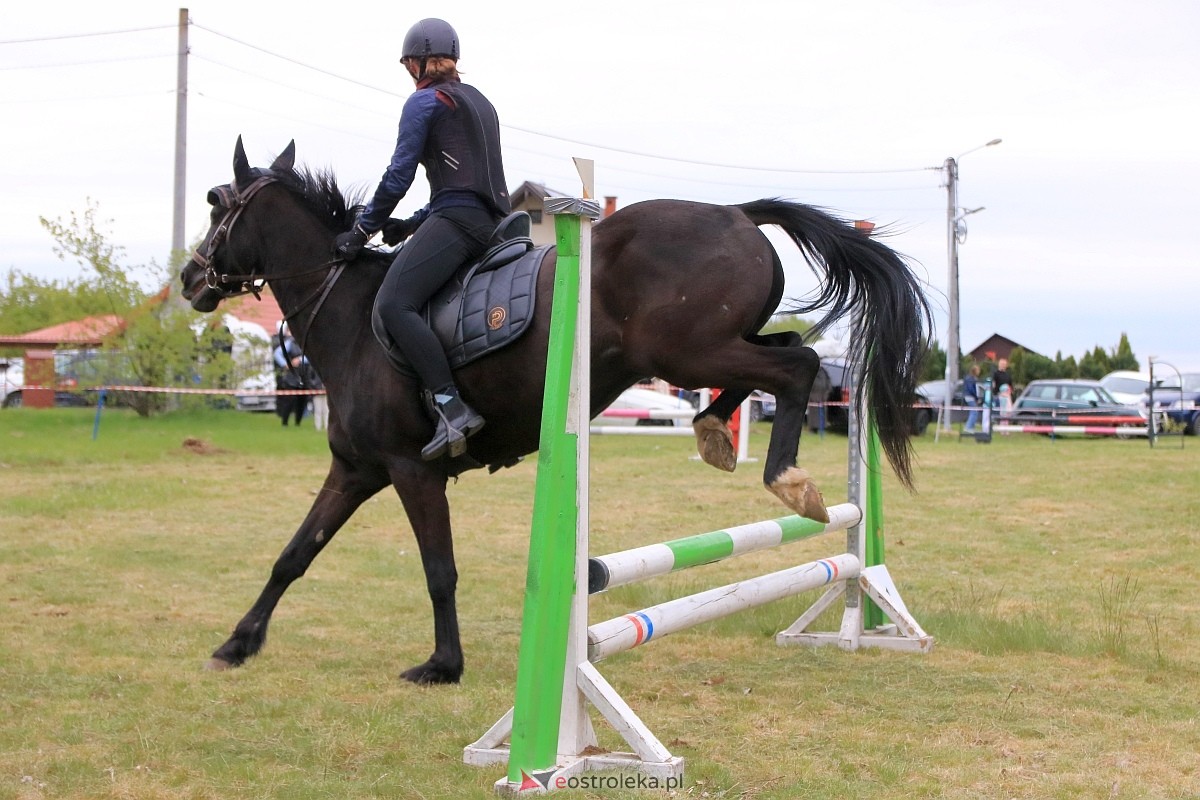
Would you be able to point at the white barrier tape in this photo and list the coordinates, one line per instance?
(178, 390)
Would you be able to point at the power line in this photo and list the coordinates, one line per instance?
(85, 35)
(715, 164)
(568, 140)
(579, 142)
(85, 63)
(294, 61)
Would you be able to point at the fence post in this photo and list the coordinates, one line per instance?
(558, 538)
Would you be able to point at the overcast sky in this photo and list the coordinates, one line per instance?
(1090, 200)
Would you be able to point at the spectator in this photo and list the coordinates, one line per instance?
(1002, 388)
(971, 398)
(289, 375)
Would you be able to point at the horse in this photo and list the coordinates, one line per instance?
(680, 290)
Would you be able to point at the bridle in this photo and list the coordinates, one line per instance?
(234, 200)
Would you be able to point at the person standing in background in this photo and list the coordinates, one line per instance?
(971, 398)
(1002, 388)
(289, 363)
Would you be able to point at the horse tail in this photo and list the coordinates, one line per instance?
(889, 320)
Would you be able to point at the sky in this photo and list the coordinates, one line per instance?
(1089, 201)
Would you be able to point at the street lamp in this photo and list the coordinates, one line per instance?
(953, 218)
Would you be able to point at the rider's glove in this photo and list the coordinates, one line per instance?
(347, 245)
(395, 231)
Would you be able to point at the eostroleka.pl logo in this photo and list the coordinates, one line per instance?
(553, 779)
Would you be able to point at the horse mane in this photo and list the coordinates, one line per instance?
(319, 192)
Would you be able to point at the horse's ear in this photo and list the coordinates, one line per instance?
(287, 159)
(241, 165)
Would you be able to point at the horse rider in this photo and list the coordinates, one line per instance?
(452, 130)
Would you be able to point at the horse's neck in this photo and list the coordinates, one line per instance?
(329, 323)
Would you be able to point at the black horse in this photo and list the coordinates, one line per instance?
(680, 291)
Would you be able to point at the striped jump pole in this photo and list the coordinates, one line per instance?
(640, 563)
(626, 632)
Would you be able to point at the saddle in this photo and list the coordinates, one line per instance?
(488, 303)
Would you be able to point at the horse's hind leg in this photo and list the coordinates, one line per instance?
(344, 491)
(714, 440)
(422, 490)
(784, 366)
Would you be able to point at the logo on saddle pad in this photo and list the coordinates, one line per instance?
(487, 305)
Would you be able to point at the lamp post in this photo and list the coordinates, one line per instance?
(953, 219)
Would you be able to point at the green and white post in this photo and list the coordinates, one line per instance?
(548, 735)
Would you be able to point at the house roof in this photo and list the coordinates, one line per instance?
(999, 343)
(265, 312)
(92, 331)
(531, 192)
(89, 331)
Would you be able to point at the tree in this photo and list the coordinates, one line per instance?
(28, 303)
(933, 366)
(1122, 355)
(162, 344)
(1095, 364)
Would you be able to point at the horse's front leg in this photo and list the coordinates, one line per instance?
(343, 492)
(422, 490)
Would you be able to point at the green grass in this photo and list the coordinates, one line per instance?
(1058, 577)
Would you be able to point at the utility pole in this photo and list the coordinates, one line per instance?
(953, 218)
(181, 83)
(952, 347)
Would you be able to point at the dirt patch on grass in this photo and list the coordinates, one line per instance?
(200, 447)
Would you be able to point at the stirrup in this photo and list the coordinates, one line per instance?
(451, 437)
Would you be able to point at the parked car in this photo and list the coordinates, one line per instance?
(1043, 398)
(762, 406)
(12, 377)
(830, 398)
(1126, 386)
(1178, 396)
(933, 394)
(638, 399)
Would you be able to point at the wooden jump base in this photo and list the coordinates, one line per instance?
(547, 739)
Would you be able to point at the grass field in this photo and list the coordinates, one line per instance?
(1059, 578)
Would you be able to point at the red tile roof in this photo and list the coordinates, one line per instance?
(87, 331)
(91, 331)
(264, 313)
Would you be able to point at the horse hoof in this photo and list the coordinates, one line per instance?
(799, 493)
(431, 673)
(714, 443)
(217, 665)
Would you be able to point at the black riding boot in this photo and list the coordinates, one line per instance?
(456, 421)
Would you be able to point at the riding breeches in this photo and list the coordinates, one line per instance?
(445, 241)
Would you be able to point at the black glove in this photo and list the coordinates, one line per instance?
(395, 231)
(347, 245)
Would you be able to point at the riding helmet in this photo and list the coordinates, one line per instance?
(431, 37)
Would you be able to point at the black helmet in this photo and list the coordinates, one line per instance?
(431, 37)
